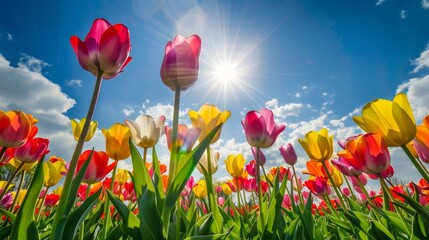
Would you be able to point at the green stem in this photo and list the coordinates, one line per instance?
(329, 204)
(174, 153)
(144, 155)
(41, 204)
(350, 187)
(178, 219)
(416, 163)
(301, 198)
(3, 192)
(258, 180)
(18, 190)
(77, 151)
(333, 185)
(107, 204)
(238, 192)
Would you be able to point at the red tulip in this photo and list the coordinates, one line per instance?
(98, 166)
(106, 48)
(32, 150)
(367, 153)
(181, 62)
(260, 128)
(15, 128)
(318, 186)
(7, 156)
(51, 199)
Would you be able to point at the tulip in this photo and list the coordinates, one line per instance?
(260, 129)
(188, 187)
(388, 173)
(181, 62)
(6, 201)
(393, 120)
(122, 176)
(98, 166)
(207, 118)
(226, 189)
(106, 48)
(422, 151)
(32, 150)
(251, 168)
(286, 202)
(319, 146)
(51, 200)
(203, 163)
(345, 168)
(186, 138)
(117, 141)
(53, 172)
(282, 172)
(78, 126)
(15, 128)
(7, 156)
(318, 186)
(145, 130)
(25, 167)
(316, 169)
(200, 189)
(20, 197)
(235, 165)
(367, 153)
(258, 155)
(288, 154)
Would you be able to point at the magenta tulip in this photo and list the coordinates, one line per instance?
(32, 150)
(318, 186)
(181, 62)
(288, 154)
(260, 129)
(345, 168)
(106, 48)
(259, 156)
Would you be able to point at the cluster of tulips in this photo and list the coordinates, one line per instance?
(156, 201)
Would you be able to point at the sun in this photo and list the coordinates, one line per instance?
(226, 73)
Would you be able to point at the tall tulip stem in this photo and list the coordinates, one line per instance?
(258, 180)
(3, 192)
(77, 151)
(2, 151)
(174, 153)
(333, 186)
(21, 181)
(107, 203)
(301, 199)
(416, 163)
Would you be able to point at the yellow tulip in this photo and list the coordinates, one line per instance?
(26, 167)
(235, 165)
(393, 120)
(117, 141)
(77, 128)
(200, 189)
(411, 147)
(316, 169)
(53, 172)
(20, 196)
(319, 146)
(226, 189)
(59, 190)
(121, 176)
(207, 118)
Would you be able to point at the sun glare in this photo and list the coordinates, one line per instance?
(226, 73)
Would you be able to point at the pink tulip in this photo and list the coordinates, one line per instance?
(181, 62)
(251, 168)
(258, 155)
(220, 201)
(260, 129)
(98, 166)
(32, 150)
(345, 168)
(106, 48)
(367, 153)
(6, 201)
(188, 187)
(286, 203)
(186, 137)
(422, 151)
(388, 173)
(346, 191)
(288, 154)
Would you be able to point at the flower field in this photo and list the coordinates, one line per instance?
(89, 197)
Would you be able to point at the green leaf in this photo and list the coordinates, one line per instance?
(150, 219)
(203, 225)
(380, 231)
(307, 217)
(160, 196)
(7, 214)
(191, 160)
(423, 212)
(130, 224)
(24, 226)
(76, 217)
(5, 231)
(360, 220)
(116, 233)
(139, 180)
(420, 228)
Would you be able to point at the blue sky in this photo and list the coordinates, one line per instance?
(314, 63)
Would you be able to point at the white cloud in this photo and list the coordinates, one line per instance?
(30, 63)
(422, 61)
(403, 14)
(379, 2)
(9, 37)
(25, 88)
(304, 87)
(75, 83)
(128, 110)
(298, 95)
(425, 4)
(283, 111)
(417, 91)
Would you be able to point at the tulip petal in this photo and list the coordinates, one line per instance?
(114, 49)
